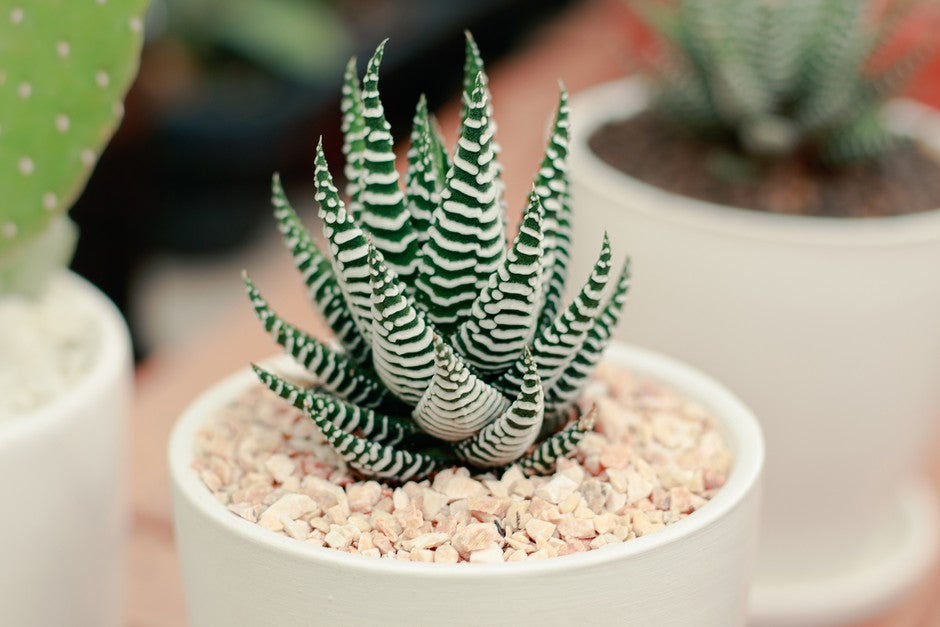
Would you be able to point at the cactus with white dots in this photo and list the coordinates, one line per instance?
(65, 66)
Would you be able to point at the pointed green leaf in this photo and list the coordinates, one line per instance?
(346, 416)
(551, 185)
(348, 246)
(555, 346)
(560, 398)
(442, 163)
(317, 274)
(354, 136)
(384, 214)
(333, 371)
(457, 404)
(423, 190)
(503, 440)
(543, 458)
(466, 241)
(371, 458)
(402, 340)
(502, 321)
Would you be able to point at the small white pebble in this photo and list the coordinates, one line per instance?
(489, 555)
(63, 49)
(539, 530)
(25, 90)
(26, 166)
(50, 201)
(425, 541)
(280, 466)
(102, 79)
(460, 487)
(62, 122)
(87, 155)
(557, 489)
(570, 527)
(446, 554)
(16, 15)
(135, 24)
(336, 540)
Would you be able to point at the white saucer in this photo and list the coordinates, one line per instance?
(864, 591)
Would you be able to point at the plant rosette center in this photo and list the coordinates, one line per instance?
(652, 460)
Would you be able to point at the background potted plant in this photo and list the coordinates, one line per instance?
(65, 371)
(786, 228)
(453, 351)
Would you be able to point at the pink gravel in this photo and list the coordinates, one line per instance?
(654, 459)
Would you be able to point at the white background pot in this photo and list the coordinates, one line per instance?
(694, 572)
(829, 328)
(63, 514)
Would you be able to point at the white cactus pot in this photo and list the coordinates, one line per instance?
(694, 572)
(829, 328)
(63, 512)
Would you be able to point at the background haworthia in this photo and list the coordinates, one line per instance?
(778, 77)
(474, 361)
(65, 66)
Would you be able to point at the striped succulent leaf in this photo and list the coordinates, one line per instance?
(777, 78)
(317, 274)
(551, 186)
(466, 240)
(384, 212)
(354, 136)
(422, 182)
(473, 361)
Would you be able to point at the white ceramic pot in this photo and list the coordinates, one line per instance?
(694, 572)
(829, 328)
(63, 513)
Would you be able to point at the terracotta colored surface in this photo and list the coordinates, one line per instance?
(583, 47)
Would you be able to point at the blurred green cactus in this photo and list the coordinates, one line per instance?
(65, 66)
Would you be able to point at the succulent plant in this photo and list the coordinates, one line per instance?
(454, 349)
(778, 76)
(64, 70)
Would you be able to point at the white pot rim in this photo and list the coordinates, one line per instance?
(109, 362)
(623, 98)
(738, 425)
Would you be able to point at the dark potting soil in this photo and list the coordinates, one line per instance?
(649, 148)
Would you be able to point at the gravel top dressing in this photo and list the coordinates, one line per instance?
(654, 459)
(46, 346)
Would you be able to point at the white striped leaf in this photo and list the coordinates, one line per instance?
(543, 458)
(317, 274)
(442, 163)
(348, 245)
(505, 439)
(354, 136)
(503, 318)
(402, 340)
(466, 241)
(560, 398)
(555, 346)
(384, 214)
(551, 185)
(421, 180)
(457, 403)
(473, 67)
(350, 418)
(335, 372)
(371, 458)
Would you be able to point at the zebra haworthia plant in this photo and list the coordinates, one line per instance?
(778, 77)
(455, 348)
